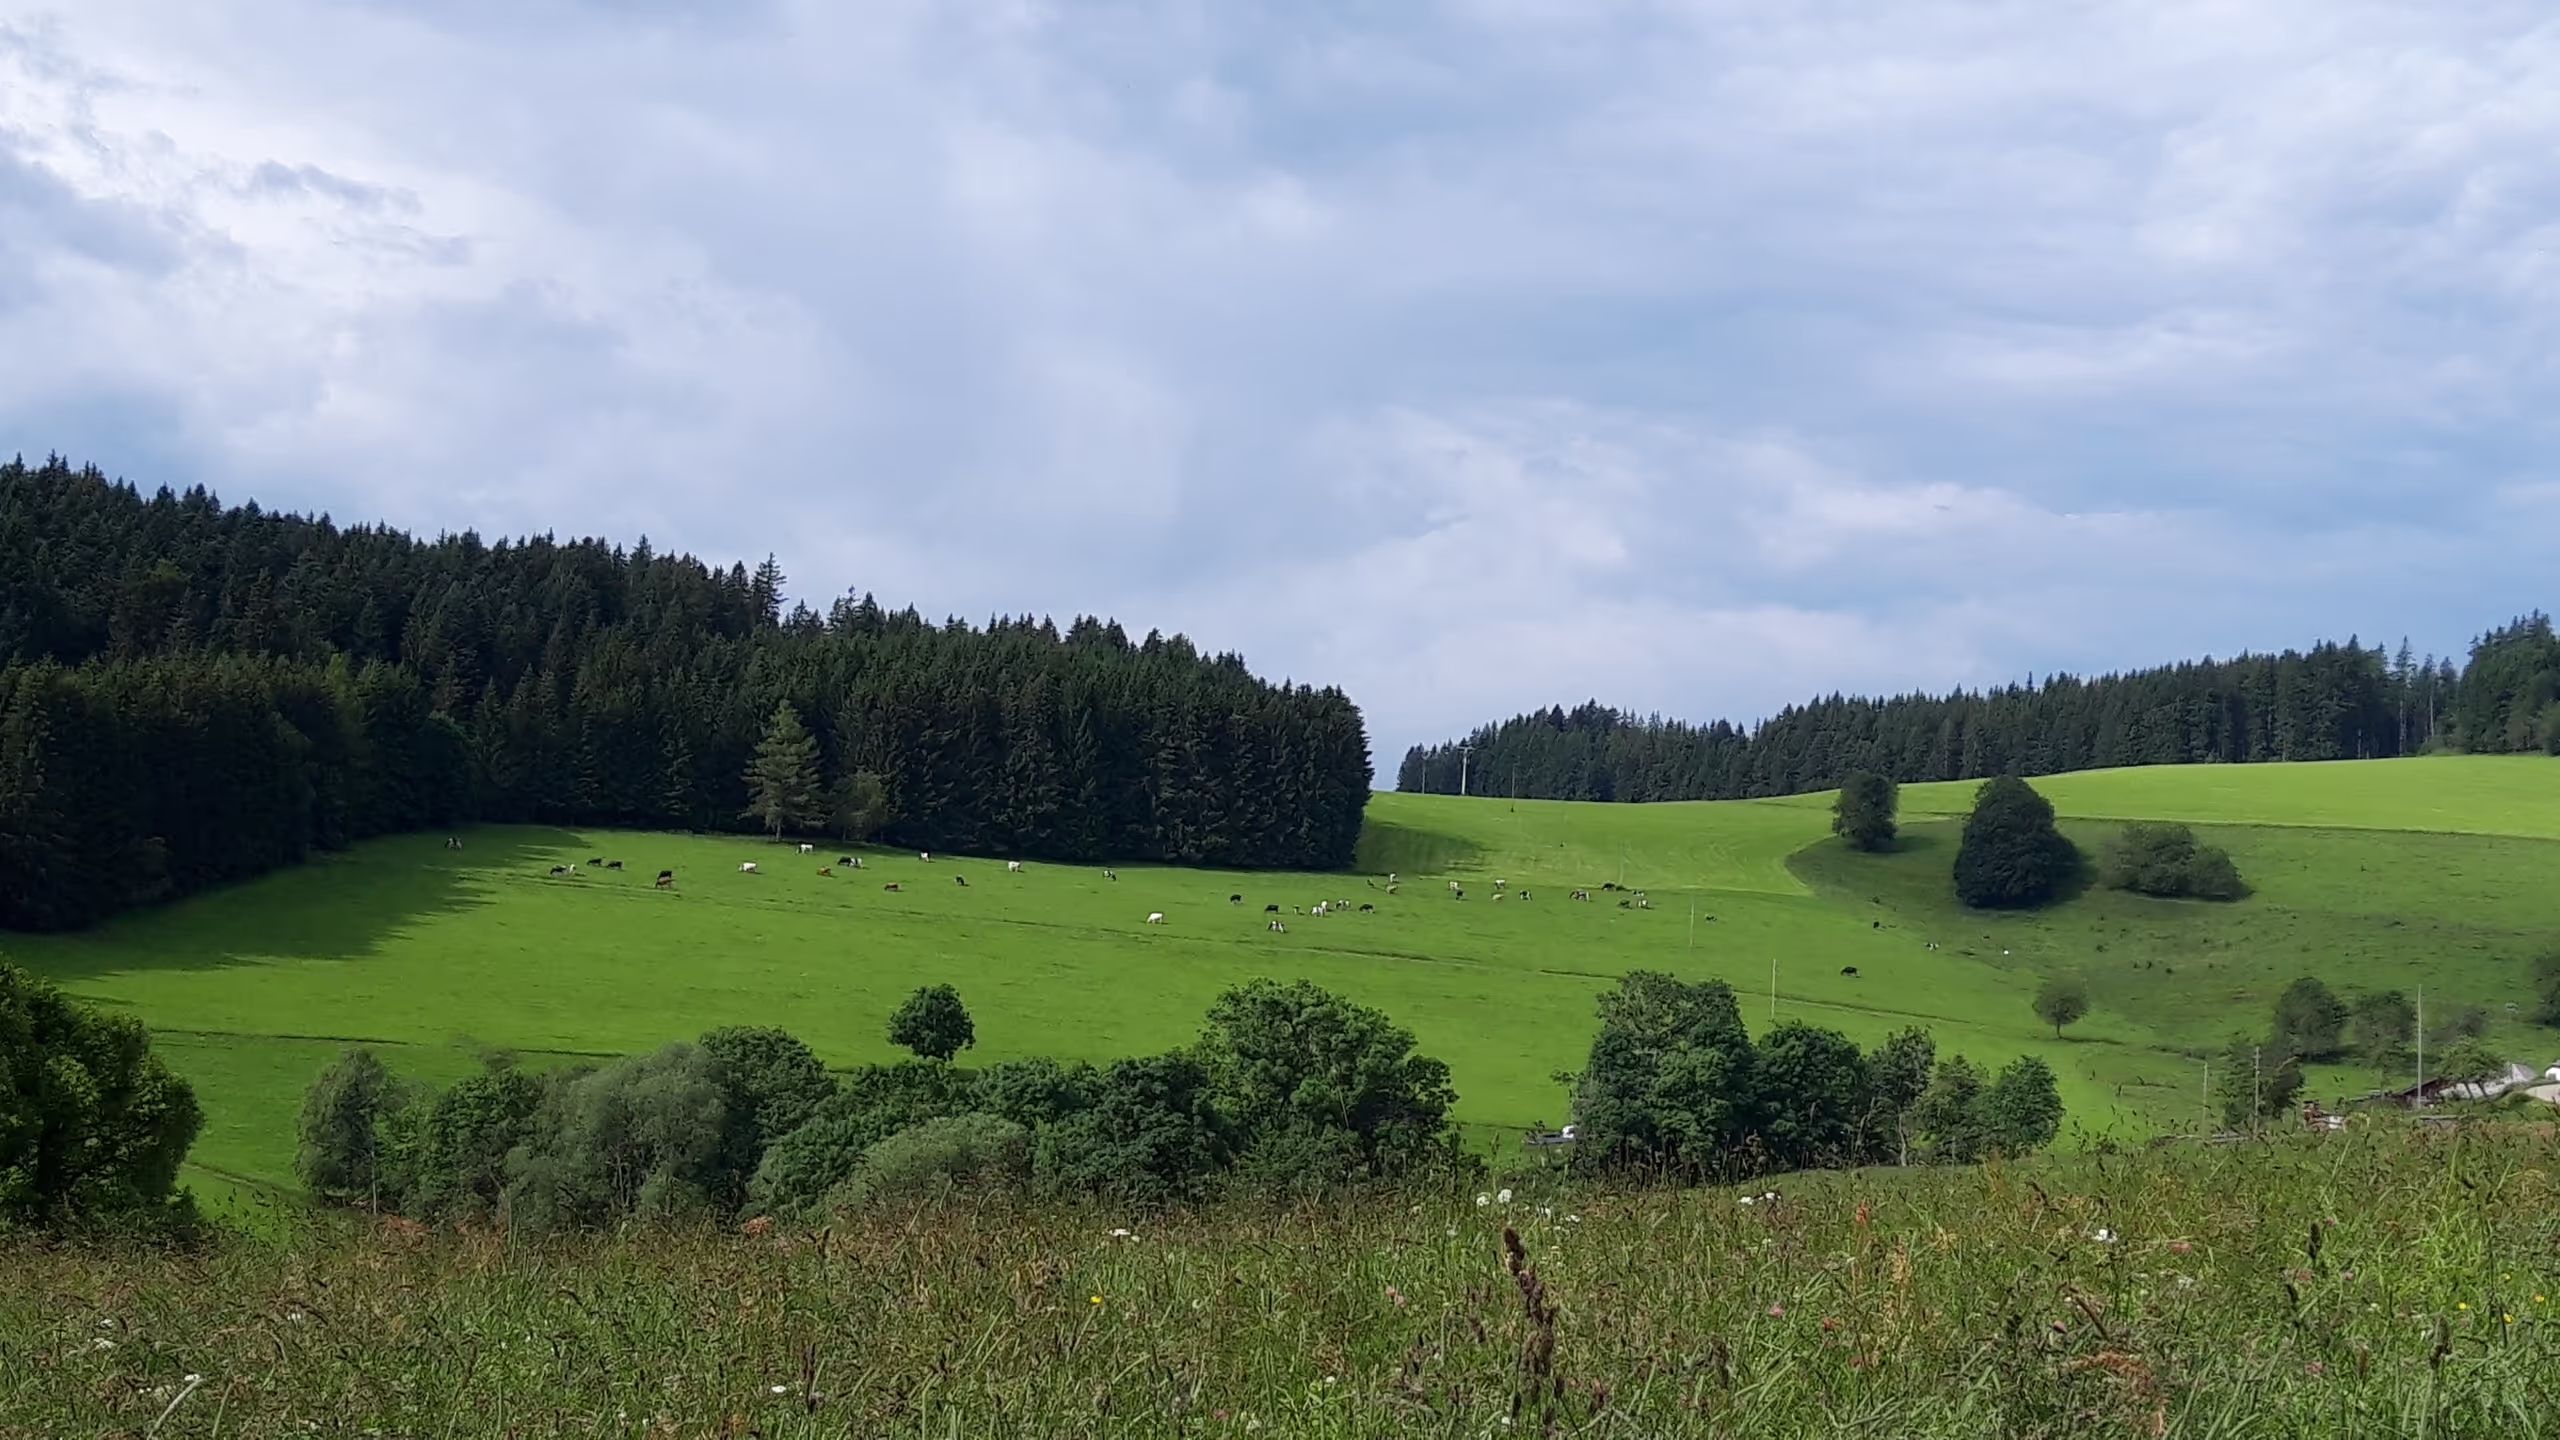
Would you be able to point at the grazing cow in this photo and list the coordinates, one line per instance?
(1524, 895)
(1155, 917)
(1270, 909)
(666, 880)
(1013, 867)
(960, 880)
(1279, 929)
(891, 887)
(1499, 897)
(1235, 899)
(1391, 877)
(807, 848)
(453, 842)
(849, 862)
(1579, 895)
(1875, 924)
(1611, 885)
(925, 855)
(1393, 888)
(826, 869)
(1453, 887)
(1499, 884)
(1457, 894)
(746, 867)
(1110, 874)
(613, 864)
(597, 861)
(1626, 904)
(559, 870)
(857, 862)
(1849, 970)
(1320, 909)
(1368, 909)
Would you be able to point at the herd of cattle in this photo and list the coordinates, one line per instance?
(1632, 899)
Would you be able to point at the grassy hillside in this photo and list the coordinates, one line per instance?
(2375, 1283)
(430, 955)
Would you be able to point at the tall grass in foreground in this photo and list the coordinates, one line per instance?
(2382, 1283)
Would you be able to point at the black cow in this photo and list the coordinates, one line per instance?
(1368, 909)
(597, 861)
(666, 879)
(1270, 909)
(1849, 970)
(1235, 899)
(960, 880)
(558, 870)
(613, 864)
(844, 860)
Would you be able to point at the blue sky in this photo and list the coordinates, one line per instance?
(1471, 354)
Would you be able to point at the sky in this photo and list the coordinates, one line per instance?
(1472, 355)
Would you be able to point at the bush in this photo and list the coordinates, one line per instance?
(802, 1170)
(341, 1152)
(933, 1023)
(2310, 1021)
(1814, 1089)
(2166, 861)
(2254, 1083)
(2471, 1058)
(462, 1142)
(2022, 1111)
(2546, 988)
(1152, 1135)
(773, 1083)
(2013, 856)
(640, 1137)
(1292, 1057)
(1864, 814)
(1032, 1093)
(1670, 1083)
(925, 1163)
(92, 1124)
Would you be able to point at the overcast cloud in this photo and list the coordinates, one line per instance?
(1472, 354)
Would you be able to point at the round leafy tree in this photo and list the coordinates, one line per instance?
(2013, 856)
(933, 1023)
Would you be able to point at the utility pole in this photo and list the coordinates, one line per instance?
(2418, 1097)
(1773, 989)
(1463, 752)
(2257, 1103)
(1693, 924)
(2204, 1102)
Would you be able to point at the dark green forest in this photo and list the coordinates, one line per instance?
(192, 693)
(2334, 702)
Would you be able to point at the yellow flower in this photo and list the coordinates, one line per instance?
(2458, 1304)
(2510, 1319)
(2538, 1300)
(1098, 1300)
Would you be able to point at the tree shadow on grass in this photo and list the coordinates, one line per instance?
(341, 905)
(1387, 845)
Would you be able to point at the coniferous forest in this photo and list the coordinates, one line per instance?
(2335, 702)
(192, 693)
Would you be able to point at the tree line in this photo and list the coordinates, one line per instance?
(191, 692)
(2333, 702)
(1288, 1088)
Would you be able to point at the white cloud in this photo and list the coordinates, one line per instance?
(1684, 353)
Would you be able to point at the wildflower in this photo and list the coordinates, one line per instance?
(2461, 1304)
(1453, 1232)
(781, 1389)
(2103, 1235)
(1097, 1299)
(1502, 1196)
(1482, 1200)
(194, 1379)
(1576, 1220)
(1395, 1297)
(1546, 1212)
(2538, 1300)
(2510, 1319)
(1333, 1379)
(1777, 1312)
(102, 1343)
(2315, 1369)
(1830, 1322)
(1746, 1199)
(1122, 1233)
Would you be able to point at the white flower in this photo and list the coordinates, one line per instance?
(102, 1343)
(1122, 1233)
(1573, 1219)
(1483, 1200)
(1333, 1379)
(2103, 1235)
(1503, 1196)
(107, 1324)
(781, 1389)
(1746, 1199)
(1453, 1232)
(194, 1379)
(1546, 1212)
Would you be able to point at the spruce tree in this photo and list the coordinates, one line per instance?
(782, 780)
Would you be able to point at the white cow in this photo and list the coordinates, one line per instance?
(1155, 917)
(746, 867)
(1321, 909)
(1013, 867)
(925, 855)
(808, 849)
(1279, 929)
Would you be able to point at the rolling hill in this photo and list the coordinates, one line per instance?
(2436, 872)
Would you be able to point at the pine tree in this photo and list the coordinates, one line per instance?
(782, 780)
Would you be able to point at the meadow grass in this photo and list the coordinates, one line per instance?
(2377, 1282)
(431, 956)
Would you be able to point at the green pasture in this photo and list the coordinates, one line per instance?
(432, 956)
